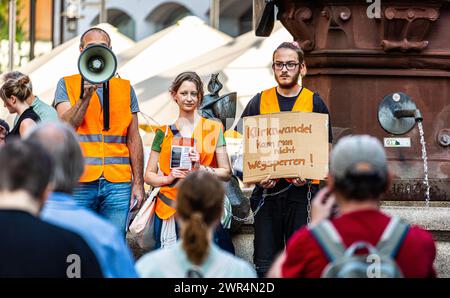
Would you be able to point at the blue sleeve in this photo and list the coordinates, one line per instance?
(134, 101)
(121, 261)
(60, 93)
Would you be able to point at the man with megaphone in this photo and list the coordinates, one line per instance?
(103, 110)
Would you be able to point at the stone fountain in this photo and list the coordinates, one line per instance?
(382, 66)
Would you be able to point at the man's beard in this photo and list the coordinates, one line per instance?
(288, 85)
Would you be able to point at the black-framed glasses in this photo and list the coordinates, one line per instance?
(289, 65)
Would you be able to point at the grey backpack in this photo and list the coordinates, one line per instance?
(345, 263)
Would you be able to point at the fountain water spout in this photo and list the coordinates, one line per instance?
(412, 113)
(397, 113)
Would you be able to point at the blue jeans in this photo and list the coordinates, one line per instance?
(108, 199)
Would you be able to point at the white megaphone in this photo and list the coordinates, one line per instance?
(97, 64)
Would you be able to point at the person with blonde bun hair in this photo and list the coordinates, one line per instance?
(199, 207)
(44, 111)
(14, 93)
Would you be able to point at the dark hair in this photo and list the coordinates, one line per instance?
(5, 125)
(199, 204)
(94, 29)
(15, 75)
(19, 87)
(191, 77)
(26, 166)
(362, 186)
(292, 46)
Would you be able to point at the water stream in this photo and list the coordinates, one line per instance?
(425, 164)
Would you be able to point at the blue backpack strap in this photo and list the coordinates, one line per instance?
(392, 238)
(329, 240)
(174, 130)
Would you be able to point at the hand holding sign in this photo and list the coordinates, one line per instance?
(285, 144)
(299, 181)
(268, 183)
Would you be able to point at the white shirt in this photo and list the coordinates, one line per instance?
(173, 262)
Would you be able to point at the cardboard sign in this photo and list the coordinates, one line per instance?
(285, 145)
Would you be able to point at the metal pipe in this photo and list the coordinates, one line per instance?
(214, 14)
(53, 24)
(12, 32)
(418, 116)
(404, 113)
(32, 28)
(103, 17)
(414, 113)
(61, 21)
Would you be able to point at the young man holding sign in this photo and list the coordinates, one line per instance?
(286, 200)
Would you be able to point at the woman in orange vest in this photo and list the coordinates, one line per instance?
(192, 143)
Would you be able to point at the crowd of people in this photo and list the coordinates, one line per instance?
(69, 179)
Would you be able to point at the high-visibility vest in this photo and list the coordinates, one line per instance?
(206, 135)
(304, 103)
(105, 152)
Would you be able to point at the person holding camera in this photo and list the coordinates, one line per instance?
(357, 179)
(113, 175)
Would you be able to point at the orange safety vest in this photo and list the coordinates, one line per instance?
(206, 135)
(105, 152)
(303, 103)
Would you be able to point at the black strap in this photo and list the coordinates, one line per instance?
(267, 21)
(175, 131)
(166, 200)
(106, 106)
(82, 88)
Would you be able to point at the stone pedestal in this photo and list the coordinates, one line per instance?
(435, 219)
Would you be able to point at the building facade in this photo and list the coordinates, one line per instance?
(49, 23)
(140, 18)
